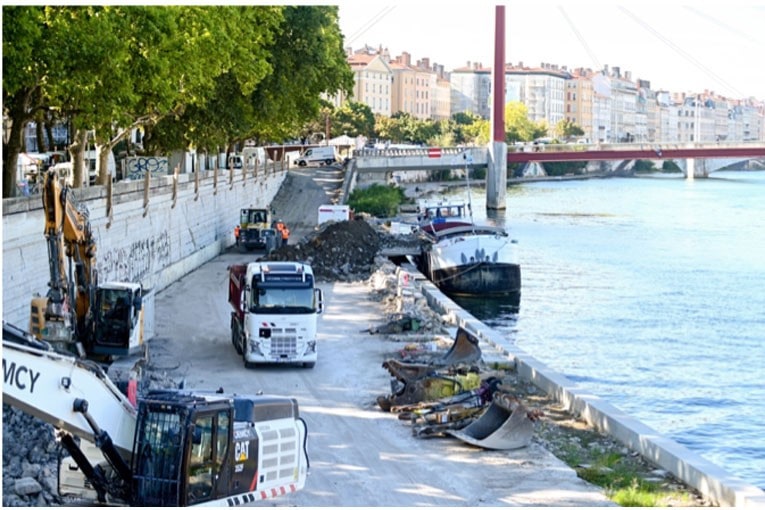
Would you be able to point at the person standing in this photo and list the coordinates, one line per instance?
(285, 234)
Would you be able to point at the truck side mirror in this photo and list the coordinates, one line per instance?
(319, 300)
(137, 302)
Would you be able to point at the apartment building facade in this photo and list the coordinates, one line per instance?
(373, 81)
(471, 90)
(607, 104)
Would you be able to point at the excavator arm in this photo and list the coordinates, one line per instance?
(69, 236)
(52, 387)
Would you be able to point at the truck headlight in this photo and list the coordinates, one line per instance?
(255, 347)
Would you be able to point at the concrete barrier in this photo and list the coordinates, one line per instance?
(711, 480)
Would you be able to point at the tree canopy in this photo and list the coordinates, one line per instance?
(202, 76)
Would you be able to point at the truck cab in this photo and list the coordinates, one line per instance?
(275, 312)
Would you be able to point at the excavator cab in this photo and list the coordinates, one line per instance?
(118, 317)
(181, 449)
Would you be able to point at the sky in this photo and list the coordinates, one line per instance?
(680, 48)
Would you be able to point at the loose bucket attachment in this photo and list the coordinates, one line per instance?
(464, 350)
(506, 425)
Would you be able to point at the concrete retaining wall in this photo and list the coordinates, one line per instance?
(154, 244)
(710, 479)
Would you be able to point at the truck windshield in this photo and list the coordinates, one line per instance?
(290, 300)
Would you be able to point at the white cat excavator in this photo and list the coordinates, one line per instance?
(175, 448)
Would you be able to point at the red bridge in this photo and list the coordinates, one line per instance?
(629, 151)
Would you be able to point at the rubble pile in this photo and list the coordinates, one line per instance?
(340, 251)
(30, 461)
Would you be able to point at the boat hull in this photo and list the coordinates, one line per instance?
(473, 264)
(485, 278)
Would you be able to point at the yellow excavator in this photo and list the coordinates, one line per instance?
(78, 315)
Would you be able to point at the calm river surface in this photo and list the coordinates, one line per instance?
(649, 292)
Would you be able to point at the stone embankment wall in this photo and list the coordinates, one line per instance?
(153, 238)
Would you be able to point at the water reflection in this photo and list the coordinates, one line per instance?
(492, 311)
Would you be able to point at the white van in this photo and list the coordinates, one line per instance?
(325, 154)
(249, 157)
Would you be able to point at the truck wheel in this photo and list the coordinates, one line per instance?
(235, 337)
(328, 162)
(309, 364)
(301, 163)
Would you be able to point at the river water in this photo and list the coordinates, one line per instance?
(649, 292)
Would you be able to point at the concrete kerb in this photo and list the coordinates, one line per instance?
(711, 480)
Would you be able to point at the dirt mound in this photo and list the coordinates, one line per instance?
(342, 250)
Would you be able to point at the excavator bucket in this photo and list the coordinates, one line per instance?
(465, 350)
(506, 425)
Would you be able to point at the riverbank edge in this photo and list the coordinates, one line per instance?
(711, 480)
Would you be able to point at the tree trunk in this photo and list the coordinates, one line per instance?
(77, 155)
(13, 146)
(49, 132)
(39, 125)
(102, 163)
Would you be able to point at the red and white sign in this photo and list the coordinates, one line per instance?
(434, 152)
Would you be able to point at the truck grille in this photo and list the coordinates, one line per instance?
(283, 342)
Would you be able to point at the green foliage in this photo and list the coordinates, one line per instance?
(478, 174)
(461, 129)
(560, 168)
(566, 129)
(643, 166)
(353, 119)
(308, 59)
(518, 126)
(378, 200)
(670, 167)
(201, 76)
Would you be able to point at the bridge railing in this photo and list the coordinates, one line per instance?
(421, 151)
(634, 146)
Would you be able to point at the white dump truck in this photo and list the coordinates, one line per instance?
(275, 312)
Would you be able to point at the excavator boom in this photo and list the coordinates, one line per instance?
(46, 384)
(69, 236)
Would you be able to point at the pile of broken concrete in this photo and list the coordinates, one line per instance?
(344, 250)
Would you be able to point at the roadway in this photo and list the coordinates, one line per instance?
(359, 456)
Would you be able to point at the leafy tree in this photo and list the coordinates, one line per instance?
(353, 119)
(384, 127)
(518, 127)
(463, 127)
(210, 107)
(307, 59)
(25, 63)
(478, 132)
(566, 129)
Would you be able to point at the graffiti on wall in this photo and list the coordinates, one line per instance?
(136, 167)
(135, 261)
